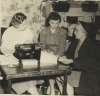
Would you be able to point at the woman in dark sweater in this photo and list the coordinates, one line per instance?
(82, 54)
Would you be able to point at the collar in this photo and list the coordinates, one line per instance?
(82, 39)
(57, 31)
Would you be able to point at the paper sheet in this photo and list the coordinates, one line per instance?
(4, 60)
(30, 62)
(47, 59)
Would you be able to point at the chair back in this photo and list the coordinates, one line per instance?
(2, 31)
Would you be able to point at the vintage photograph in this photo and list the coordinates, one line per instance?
(50, 47)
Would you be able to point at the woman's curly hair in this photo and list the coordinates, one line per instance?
(17, 19)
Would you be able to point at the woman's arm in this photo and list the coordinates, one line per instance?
(62, 44)
(42, 39)
(30, 37)
(6, 50)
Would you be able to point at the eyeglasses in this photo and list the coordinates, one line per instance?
(76, 30)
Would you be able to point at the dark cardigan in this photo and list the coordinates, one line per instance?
(86, 63)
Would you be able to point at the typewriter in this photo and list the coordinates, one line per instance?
(28, 51)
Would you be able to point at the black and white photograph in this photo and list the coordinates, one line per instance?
(50, 47)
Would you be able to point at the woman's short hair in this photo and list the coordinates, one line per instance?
(17, 19)
(52, 16)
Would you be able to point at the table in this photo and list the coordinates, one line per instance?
(20, 71)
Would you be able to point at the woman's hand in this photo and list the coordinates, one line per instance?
(68, 61)
(48, 51)
(9, 52)
(64, 60)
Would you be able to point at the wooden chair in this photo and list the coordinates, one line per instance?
(2, 31)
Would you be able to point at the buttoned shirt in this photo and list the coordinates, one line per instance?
(55, 42)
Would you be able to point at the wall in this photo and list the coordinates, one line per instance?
(74, 10)
(31, 8)
(82, 16)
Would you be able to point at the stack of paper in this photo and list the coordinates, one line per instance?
(4, 60)
(47, 59)
(30, 62)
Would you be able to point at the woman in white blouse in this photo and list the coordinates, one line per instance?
(18, 33)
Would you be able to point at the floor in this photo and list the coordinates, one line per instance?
(1, 88)
(39, 90)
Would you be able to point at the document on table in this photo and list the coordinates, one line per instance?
(47, 59)
(4, 60)
(29, 62)
(62, 59)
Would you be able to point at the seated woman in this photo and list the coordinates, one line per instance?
(70, 34)
(82, 54)
(18, 33)
(53, 39)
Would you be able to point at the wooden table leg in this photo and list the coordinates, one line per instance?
(65, 84)
(8, 85)
(43, 90)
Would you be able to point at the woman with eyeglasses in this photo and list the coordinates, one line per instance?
(81, 55)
